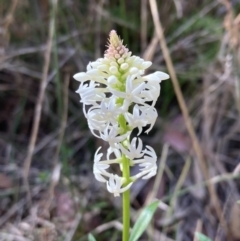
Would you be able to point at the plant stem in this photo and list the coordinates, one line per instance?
(126, 200)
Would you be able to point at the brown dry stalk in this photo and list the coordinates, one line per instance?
(38, 106)
(64, 116)
(149, 51)
(56, 165)
(4, 33)
(9, 18)
(112, 224)
(144, 16)
(184, 109)
(179, 184)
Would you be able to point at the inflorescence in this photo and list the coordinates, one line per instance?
(118, 98)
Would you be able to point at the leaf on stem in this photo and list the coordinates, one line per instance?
(143, 221)
(91, 237)
(202, 237)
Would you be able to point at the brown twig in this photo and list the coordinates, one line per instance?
(151, 48)
(112, 224)
(17, 206)
(9, 18)
(179, 184)
(38, 106)
(98, 30)
(56, 164)
(144, 16)
(227, 208)
(4, 28)
(64, 117)
(183, 106)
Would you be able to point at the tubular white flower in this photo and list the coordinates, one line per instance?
(89, 94)
(148, 164)
(148, 171)
(133, 150)
(151, 156)
(116, 152)
(96, 121)
(149, 114)
(157, 76)
(151, 92)
(99, 169)
(110, 111)
(136, 119)
(112, 136)
(117, 98)
(103, 115)
(115, 183)
(132, 92)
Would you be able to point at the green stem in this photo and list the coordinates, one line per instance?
(126, 175)
(126, 199)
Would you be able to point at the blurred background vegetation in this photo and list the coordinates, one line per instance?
(47, 188)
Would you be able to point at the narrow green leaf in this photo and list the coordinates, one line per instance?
(91, 237)
(143, 221)
(202, 237)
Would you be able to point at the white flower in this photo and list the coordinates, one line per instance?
(157, 76)
(148, 171)
(112, 136)
(99, 169)
(151, 156)
(151, 92)
(89, 94)
(116, 152)
(103, 115)
(110, 110)
(149, 114)
(132, 92)
(133, 151)
(114, 185)
(96, 121)
(148, 164)
(136, 119)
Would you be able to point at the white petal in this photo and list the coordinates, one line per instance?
(82, 76)
(99, 177)
(112, 79)
(157, 76)
(114, 185)
(133, 70)
(146, 64)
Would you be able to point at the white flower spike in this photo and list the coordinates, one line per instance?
(118, 98)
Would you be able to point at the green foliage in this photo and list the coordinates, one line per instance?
(202, 237)
(91, 237)
(143, 221)
(43, 176)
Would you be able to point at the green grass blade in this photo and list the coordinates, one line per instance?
(202, 237)
(91, 237)
(143, 221)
